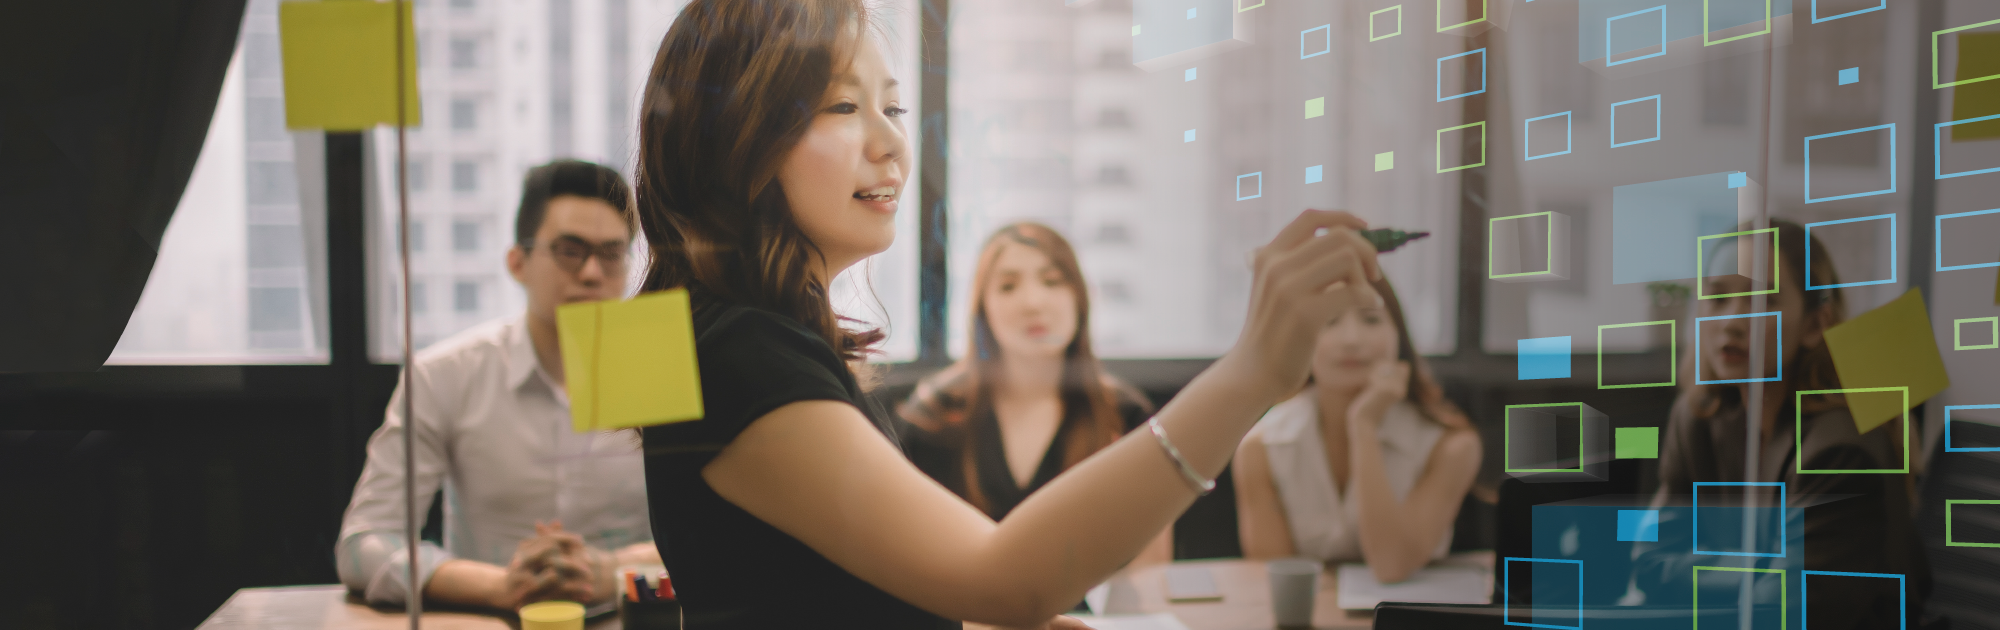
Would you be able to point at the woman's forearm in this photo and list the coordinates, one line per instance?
(1093, 519)
(1388, 540)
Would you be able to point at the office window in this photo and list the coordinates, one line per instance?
(575, 72)
(464, 53)
(464, 236)
(419, 299)
(465, 297)
(465, 115)
(464, 176)
(237, 271)
(1055, 124)
(416, 236)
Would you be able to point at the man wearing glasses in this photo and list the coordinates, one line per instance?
(532, 510)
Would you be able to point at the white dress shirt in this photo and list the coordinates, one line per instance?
(494, 429)
(1325, 522)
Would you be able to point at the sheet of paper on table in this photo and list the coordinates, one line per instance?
(1434, 585)
(1155, 621)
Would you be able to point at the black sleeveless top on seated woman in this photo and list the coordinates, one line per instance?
(731, 570)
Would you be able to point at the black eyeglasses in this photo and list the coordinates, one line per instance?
(570, 253)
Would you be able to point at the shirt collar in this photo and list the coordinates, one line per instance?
(521, 360)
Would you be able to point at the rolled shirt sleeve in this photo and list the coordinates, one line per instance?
(371, 555)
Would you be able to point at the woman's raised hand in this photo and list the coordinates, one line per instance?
(1316, 267)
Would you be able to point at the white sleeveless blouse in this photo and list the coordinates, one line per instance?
(1324, 522)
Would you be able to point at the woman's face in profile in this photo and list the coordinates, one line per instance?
(1030, 305)
(1726, 350)
(844, 178)
(1351, 345)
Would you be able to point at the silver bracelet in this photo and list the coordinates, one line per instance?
(1194, 478)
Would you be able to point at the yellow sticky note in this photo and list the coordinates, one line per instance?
(1891, 346)
(630, 363)
(1978, 56)
(340, 64)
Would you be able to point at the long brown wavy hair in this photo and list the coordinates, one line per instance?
(734, 87)
(1810, 370)
(951, 405)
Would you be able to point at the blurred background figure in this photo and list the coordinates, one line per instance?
(1030, 399)
(1369, 462)
(492, 426)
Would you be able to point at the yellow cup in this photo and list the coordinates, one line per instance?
(553, 615)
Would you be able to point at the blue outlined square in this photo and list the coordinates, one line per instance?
(1783, 527)
(1639, 526)
(1884, 4)
(1902, 589)
(1663, 36)
(1893, 260)
(1188, 75)
(1506, 614)
(1260, 186)
(1440, 75)
(1187, 136)
(1326, 41)
(1656, 121)
(1850, 76)
(1568, 135)
(1739, 179)
(1937, 149)
(1892, 163)
(1546, 357)
(1938, 231)
(1947, 431)
(1313, 173)
(1774, 315)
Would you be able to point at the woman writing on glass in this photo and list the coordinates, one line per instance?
(771, 159)
(1030, 400)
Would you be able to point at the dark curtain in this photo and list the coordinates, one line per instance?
(103, 108)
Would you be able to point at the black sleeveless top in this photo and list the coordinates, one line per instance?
(731, 570)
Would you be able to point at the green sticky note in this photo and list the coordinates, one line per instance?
(1316, 107)
(340, 64)
(1978, 56)
(1385, 161)
(1638, 443)
(1891, 346)
(630, 363)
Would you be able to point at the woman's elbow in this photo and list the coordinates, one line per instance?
(1389, 571)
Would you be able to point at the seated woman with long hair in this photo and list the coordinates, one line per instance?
(771, 158)
(1368, 462)
(1712, 428)
(1030, 400)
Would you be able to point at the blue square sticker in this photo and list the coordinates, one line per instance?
(1313, 174)
(1547, 357)
(1850, 75)
(1639, 525)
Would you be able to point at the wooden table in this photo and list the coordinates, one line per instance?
(1246, 595)
(1245, 605)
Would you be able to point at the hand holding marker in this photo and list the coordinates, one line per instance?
(1388, 239)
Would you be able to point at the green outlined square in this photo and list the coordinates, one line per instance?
(1440, 147)
(1705, 30)
(1484, 11)
(1784, 599)
(1948, 542)
(1673, 355)
(1935, 85)
(1958, 342)
(1399, 23)
(1701, 260)
(1547, 269)
(1507, 438)
(1799, 429)
(1240, 8)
